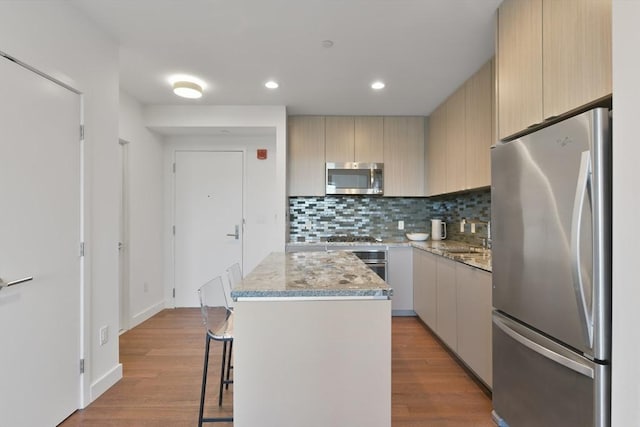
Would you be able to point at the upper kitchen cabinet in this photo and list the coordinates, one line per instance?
(306, 164)
(456, 140)
(354, 139)
(369, 137)
(552, 56)
(461, 132)
(404, 156)
(339, 139)
(576, 37)
(519, 65)
(480, 135)
(436, 158)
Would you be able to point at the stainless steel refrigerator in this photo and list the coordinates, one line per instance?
(551, 220)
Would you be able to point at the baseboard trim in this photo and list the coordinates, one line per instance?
(146, 314)
(106, 382)
(403, 313)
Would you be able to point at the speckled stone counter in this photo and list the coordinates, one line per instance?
(451, 249)
(480, 259)
(311, 274)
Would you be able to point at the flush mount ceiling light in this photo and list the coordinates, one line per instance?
(187, 89)
(271, 84)
(377, 85)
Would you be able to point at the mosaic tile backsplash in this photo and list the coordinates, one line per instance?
(316, 218)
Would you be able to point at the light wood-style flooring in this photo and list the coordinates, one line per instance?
(163, 358)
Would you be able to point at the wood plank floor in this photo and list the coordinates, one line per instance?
(163, 357)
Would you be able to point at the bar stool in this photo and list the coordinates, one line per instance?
(234, 275)
(218, 321)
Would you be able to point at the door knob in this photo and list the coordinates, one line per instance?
(236, 234)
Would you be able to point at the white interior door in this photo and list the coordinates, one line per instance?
(39, 237)
(208, 219)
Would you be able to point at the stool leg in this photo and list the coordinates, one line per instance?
(204, 379)
(222, 368)
(229, 365)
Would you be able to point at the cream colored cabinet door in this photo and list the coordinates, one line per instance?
(369, 134)
(404, 156)
(576, 50)
(424, 287)
(339, 139)
(456, 140)
(479, 124)
(446, 312)
(473, 288)
(436, 159)
(306, 161)
(400, 278)
(519, 65)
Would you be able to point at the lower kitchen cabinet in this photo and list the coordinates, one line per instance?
(454, 300)
(399, 270)
(473, 288)
(424, 286)
(447, 323)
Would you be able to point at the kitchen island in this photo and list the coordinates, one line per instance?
(312, 343)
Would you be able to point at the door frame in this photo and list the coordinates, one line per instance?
(123, 244)
(84, 387)
(172, 275)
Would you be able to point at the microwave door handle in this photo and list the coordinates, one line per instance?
(372, 175)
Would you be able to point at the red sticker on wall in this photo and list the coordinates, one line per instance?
(262, 153)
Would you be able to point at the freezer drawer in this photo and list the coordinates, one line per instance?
(537, 382)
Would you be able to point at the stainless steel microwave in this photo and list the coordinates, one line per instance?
(355, 178)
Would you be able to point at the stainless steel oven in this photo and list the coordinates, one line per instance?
(376, 259)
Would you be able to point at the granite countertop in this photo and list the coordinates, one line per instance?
(311, 274)
(473, 255)
(480, 259)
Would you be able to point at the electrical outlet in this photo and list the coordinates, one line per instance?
(104, 335)
(145, 287)
(400, 225)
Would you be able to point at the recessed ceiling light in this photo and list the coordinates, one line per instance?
(271, 84)
(327, 43)
(187, 89)
(377, 85)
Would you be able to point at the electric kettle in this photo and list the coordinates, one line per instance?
(438, 229)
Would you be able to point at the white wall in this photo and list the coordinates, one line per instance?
(57, 40)
(626, 205)
(146, 215)
(262, 209)
(189, 118)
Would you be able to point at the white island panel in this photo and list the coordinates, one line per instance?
(312, 363)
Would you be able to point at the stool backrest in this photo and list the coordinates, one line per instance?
(213, 306)
(235, 274)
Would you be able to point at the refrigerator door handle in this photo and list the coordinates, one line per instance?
(555, 356)
(584, 178)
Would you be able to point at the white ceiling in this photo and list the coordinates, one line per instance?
(422, 49)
